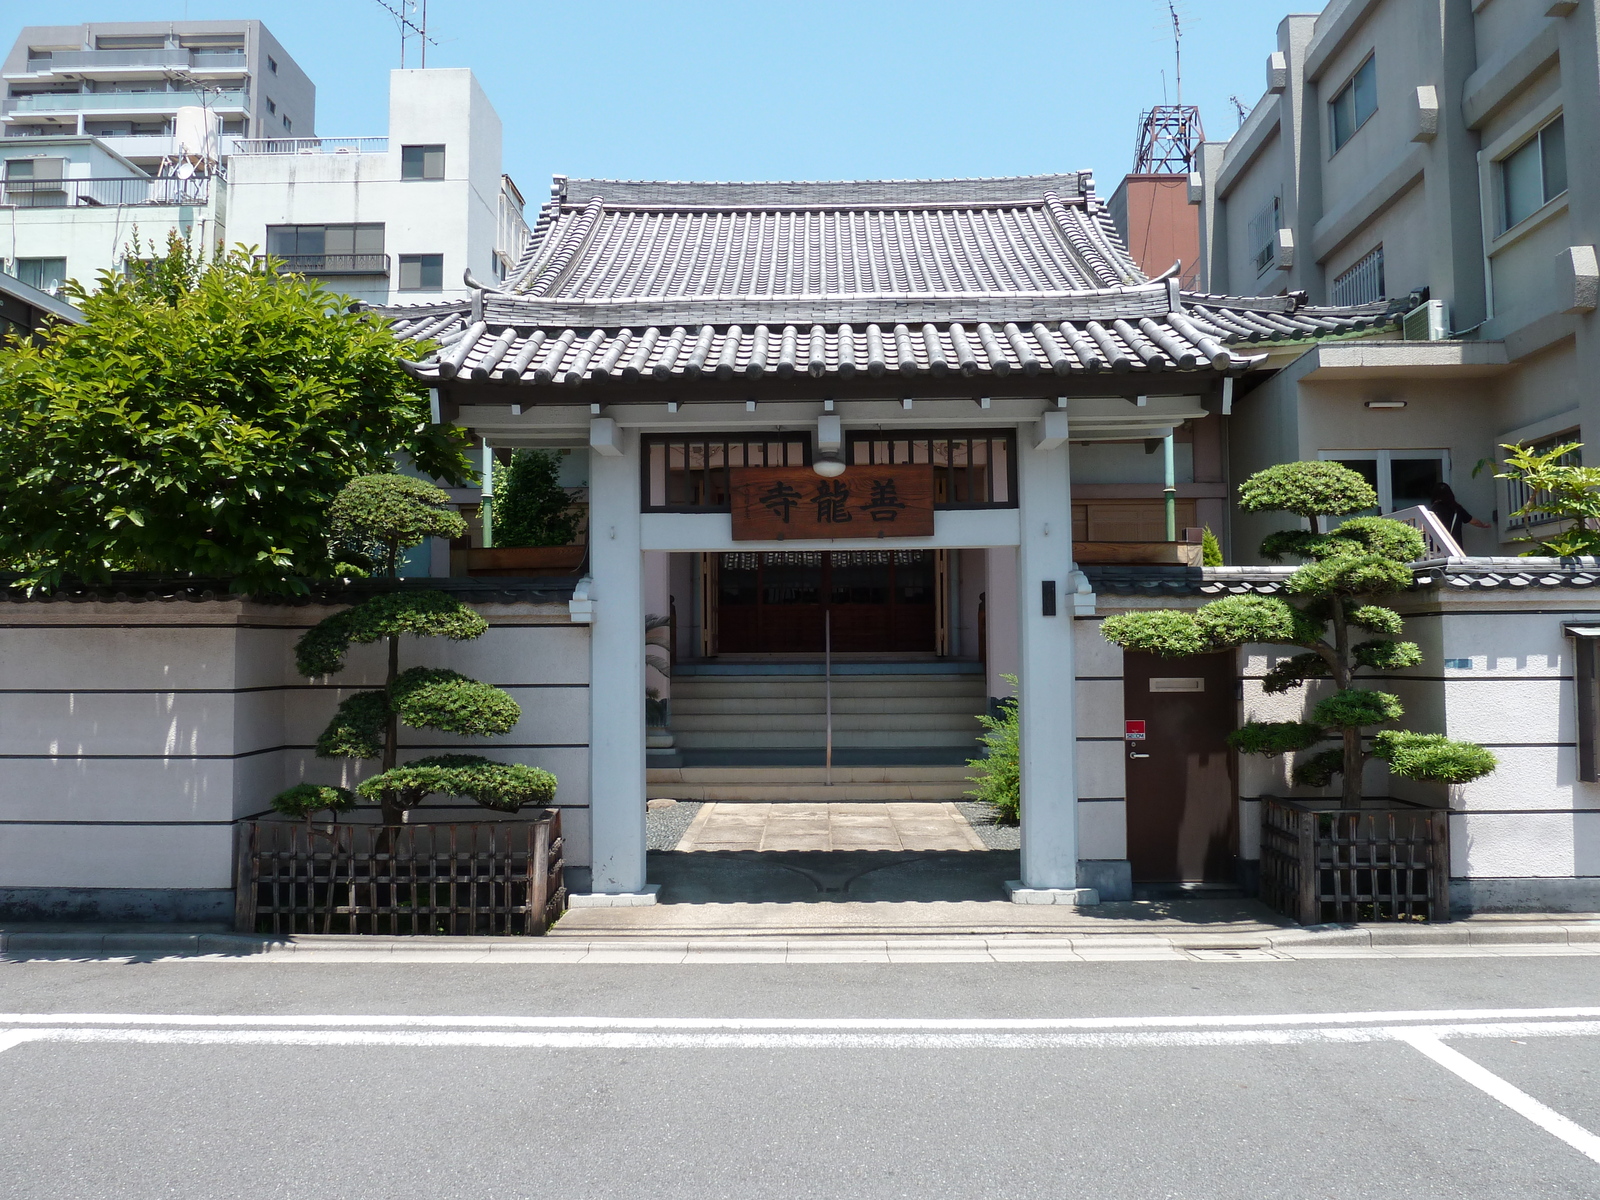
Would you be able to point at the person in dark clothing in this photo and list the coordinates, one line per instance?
(1448, 509)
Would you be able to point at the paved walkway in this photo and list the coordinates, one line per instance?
(801, 827)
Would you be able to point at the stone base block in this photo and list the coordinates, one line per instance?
(116, 904)
(615, 899)
(1558, 894)
(1111, 877)
(1077, 897)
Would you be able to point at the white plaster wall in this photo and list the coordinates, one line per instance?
(179, 719)
(1005, 652)
(1102, 829)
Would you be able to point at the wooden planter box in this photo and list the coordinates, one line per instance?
(1387, 861)
(526, 561)
(486, 877)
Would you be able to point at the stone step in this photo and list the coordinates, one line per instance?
(683, 706)
(751, 686)
(807, 785)
(772, 739)
(800, 775)
(758, 724)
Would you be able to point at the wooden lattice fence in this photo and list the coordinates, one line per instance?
(1386, 862)
(486, 877)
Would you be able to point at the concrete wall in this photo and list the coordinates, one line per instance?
(135, 736)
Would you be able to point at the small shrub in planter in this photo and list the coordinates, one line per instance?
(999, 772)
(375, 519)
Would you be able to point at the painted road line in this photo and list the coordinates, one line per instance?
(1514, 1098)
(779, 1040)
(1430, 1016)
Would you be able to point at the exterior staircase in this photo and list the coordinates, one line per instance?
(900, 732)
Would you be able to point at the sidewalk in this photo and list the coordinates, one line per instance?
(1178, 931)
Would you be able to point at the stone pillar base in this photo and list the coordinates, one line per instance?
(615, 899)
(1078, 897)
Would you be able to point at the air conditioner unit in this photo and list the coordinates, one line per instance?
(1427, 322)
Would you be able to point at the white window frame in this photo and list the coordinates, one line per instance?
(1349, 86)
(1274, 207)
(1384, 458)
(1495, 239)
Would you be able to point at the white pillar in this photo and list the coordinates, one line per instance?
(1048, 685)
(616, 676)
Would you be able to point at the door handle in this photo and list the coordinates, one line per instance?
(1131, 754)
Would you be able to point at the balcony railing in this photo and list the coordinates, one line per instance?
(348, 145)
(89, 61)
(331, 264)
(129, 102)
(105, 193)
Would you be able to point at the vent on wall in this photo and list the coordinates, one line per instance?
(1426, 323)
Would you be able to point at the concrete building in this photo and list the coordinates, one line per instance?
(396, 218)
(392, 219)
(125, 83)
(1439, 157)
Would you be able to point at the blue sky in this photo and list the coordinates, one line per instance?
(712, 89)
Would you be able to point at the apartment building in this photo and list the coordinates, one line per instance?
(391, 218)
(125, 83)
(1437, 157)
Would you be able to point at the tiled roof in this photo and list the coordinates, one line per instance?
(145, 589)
(976, 277)
(1478, 574)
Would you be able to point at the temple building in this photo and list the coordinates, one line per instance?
(897, 432)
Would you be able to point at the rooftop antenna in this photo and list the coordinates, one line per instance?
(1169, 134)
(1240, 107)
(411, 17)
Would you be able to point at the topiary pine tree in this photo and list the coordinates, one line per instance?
(377, 518)
(1324, 603)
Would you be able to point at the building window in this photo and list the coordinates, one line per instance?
(329, 249)
(1533, 174)
(421, 272)
(287, 124)
(1354, 103)
(1519, 495)
(970, 469)
(690, 474)
(1264, 237)
(272, 106)
(272, 64)
(1363, 282)
(421, 162)
(46, 274)
(1402, 478)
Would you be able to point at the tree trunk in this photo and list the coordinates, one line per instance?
(1353, 756)
(393, 810)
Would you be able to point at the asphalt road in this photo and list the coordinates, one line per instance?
(1342, 1079)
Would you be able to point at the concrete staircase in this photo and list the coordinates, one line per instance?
(760, 736)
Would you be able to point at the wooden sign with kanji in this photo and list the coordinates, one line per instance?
(776, 503)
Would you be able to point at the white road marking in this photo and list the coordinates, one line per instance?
(798, 1036)
(740, 1024)
(1514, 1098)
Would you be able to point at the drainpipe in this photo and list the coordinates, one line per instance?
(488, 496)
(1170, 491)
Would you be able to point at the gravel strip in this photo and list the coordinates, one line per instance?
(980, 814)
(665, 827)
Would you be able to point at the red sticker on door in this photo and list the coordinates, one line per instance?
(1133, 731)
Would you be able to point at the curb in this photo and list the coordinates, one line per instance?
(64, 944)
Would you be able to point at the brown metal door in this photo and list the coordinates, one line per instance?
(1182, 794)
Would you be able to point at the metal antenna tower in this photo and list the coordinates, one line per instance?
(1169, 134)
(411, 23)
